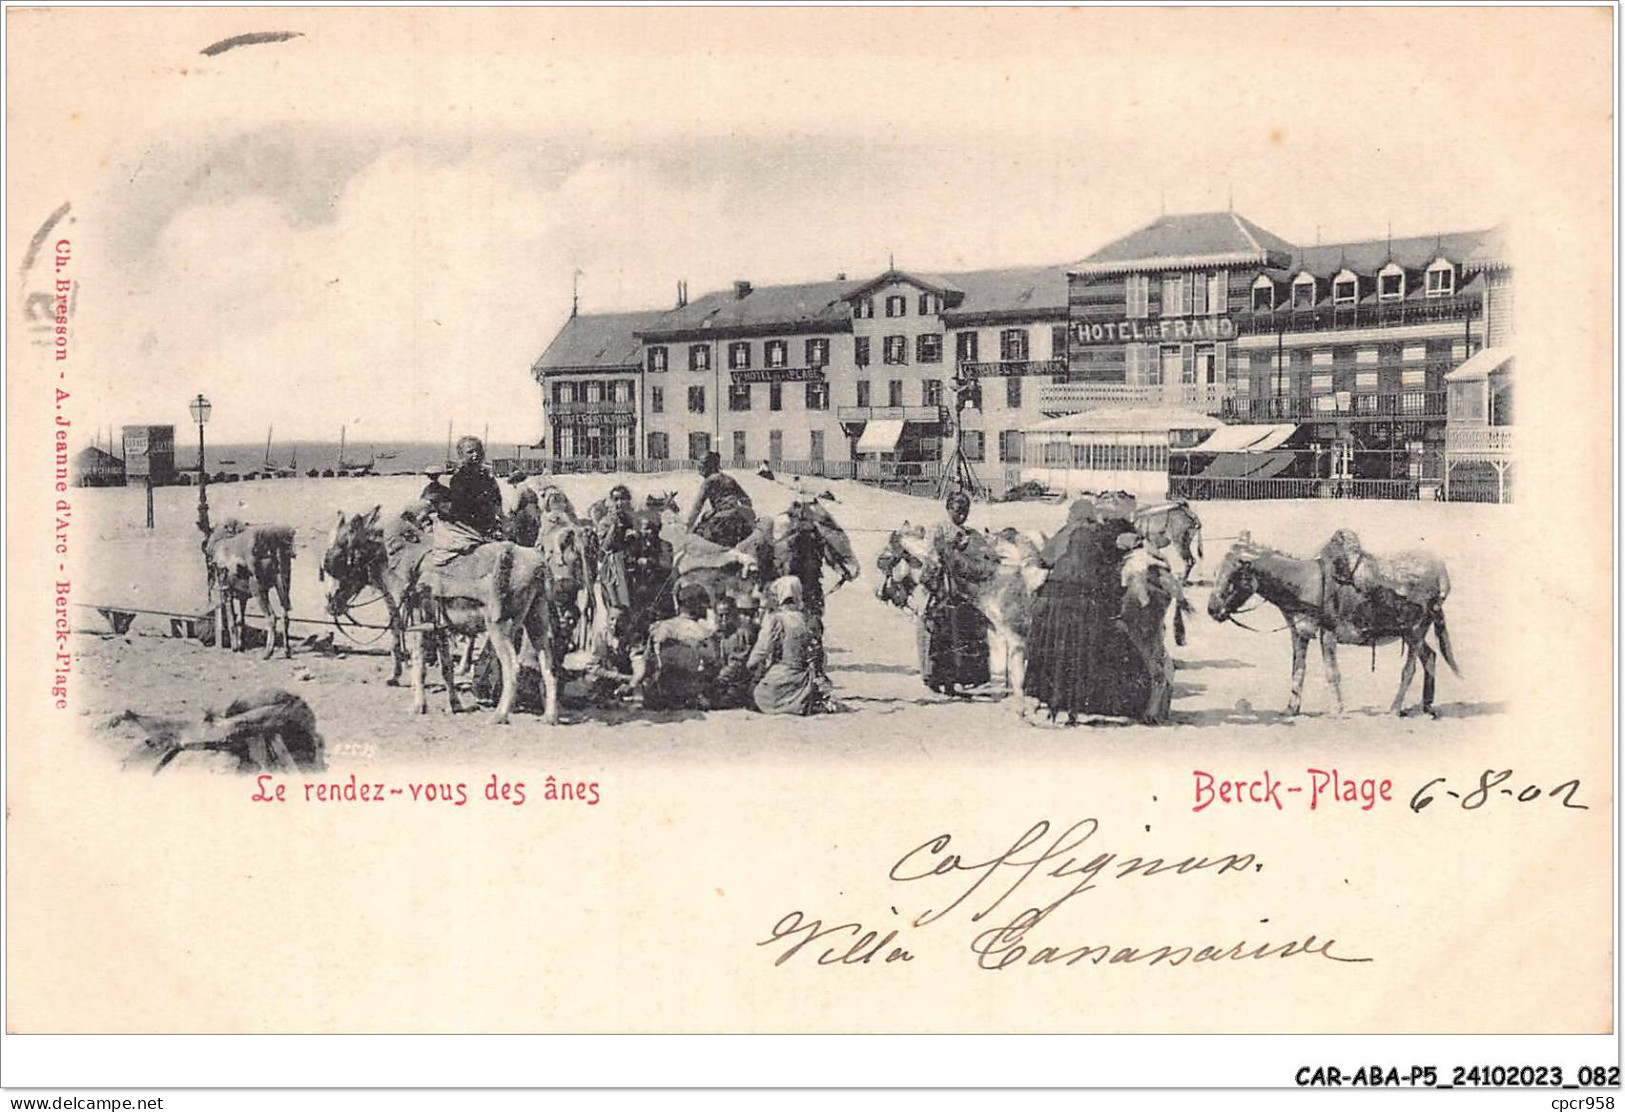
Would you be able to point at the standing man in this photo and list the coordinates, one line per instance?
(732, 518)
(953, 640)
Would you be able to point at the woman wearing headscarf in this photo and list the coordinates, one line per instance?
(953, 631)
(787, 657)
(1074, 661)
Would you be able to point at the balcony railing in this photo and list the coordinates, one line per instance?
(1327, 318)
(1076, 397)
(568, 409)
(922, 414)
(1404, 405)
(1480, 441)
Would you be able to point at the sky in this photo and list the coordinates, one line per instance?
(376, 224)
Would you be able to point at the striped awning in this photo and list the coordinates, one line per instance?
(880, 436)
(1243, 438)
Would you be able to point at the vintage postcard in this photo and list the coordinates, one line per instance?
(815, 521)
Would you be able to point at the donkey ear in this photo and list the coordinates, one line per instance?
(372, 518)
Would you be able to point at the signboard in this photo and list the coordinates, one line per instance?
(1173, 330)
(777, 374)
(596, 420)
(1016, 368)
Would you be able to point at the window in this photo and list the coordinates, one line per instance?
(657, 399)
(1013, 345)
(1010, 446)
(699, 443)
(1263, 295)
(929, 303)
(1138, 296)
(775, 445)
(740, 447)
(965, 346)
(818, 352)
(1137, 364)
(1012, 392)
(864, 308)
(658, 447)
(928, 347)
(739, 356)
(739, 397)
(1173, 295)
(860, 350)
(863, 393)
(696, 399)
(1057, 341)
(815, 446)
(1391, 283)
(1218, 292)
(594, 391)
(775, 396)
(1172, 367)
(896, 350)
(973, 442)
(1303, 292)
(931, 391)
(894, 393)
(776, 353)
(897, 305)
(1198, 296)
(817, 395)
(1441, 279)
(699, 357)
(563, 392)
(1345, 289)
(657, 360)
(1320, 383)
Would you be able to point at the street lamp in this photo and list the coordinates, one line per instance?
(201, 408)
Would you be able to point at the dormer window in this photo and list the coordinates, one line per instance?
(1303, 292)
(864, 308)
(1345, 288)
(1441, 278)
(929, 303)
(1391, 282)
(1263, 295)
(896, 305)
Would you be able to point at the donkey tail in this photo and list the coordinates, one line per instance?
(1443, 635)
(1180, 606)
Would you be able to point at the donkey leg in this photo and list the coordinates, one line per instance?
(1405, 675)
(397, 641)
(1300, 656)
(285, 600)
(1328, 656)
(448, 666)
(416, 640)
(501, 636)
(1428, 659)
(263, 597)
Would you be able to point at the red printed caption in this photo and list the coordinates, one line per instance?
(1326, 790)
(446, 793)
(62, 658)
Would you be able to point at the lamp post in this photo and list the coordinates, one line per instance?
(201, 408)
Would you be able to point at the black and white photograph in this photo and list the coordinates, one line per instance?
(837, 521)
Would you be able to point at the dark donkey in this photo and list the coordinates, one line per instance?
(1347, 597)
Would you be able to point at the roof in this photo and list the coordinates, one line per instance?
(96, 457)
(1481, 365)
(807, 306)
(597, 342)
(1190, 239)
(935, 283)
(1010, 291)
(1413, 252)
(1127, 419)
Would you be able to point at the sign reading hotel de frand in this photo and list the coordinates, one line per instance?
(1172, 330)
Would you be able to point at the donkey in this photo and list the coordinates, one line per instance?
(1176, 524)
(498, 589)
(257, 560)
(1345, 597)
(1005, 598)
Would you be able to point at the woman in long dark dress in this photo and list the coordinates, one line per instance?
(1078, 661)
(953, 631)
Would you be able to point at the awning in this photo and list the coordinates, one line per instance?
(880, 436)
(1247, 465)
(1244, 438)
(1481, 365)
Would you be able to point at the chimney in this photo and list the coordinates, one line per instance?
(841, 277)
(682, 294)
(741, 290)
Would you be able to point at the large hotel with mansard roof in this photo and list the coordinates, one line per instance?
(1156, 343)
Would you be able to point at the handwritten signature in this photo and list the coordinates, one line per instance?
(1037, 856)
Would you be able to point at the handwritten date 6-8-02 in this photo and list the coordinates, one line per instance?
(1491, 784)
